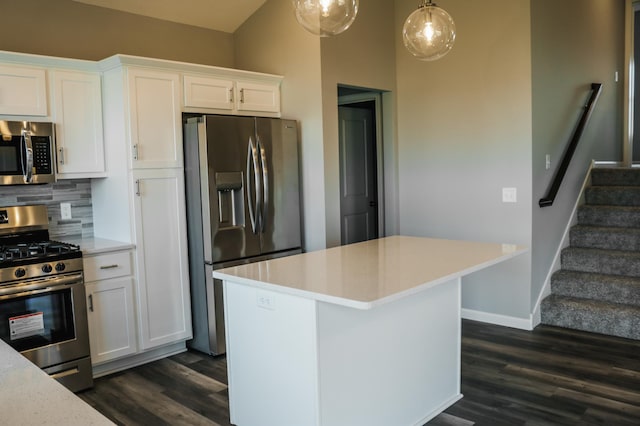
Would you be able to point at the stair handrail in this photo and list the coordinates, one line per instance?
(548, 200)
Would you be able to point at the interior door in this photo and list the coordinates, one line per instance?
(358, 174)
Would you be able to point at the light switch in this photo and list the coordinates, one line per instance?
(509, 195)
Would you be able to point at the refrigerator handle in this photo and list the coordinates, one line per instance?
(252, 163)
(265, 185)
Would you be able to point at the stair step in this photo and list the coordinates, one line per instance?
(609, 216)
(613, 195)
(610, 262)
(608, 238)
(593, 316)
(619, 176)
(608, 288)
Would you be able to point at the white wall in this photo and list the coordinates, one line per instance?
(464, 133)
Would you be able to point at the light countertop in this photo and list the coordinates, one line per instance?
(92, 246)
(367, 274)
(28, 396)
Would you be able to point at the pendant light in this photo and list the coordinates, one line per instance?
(429, 32)
(325, 17)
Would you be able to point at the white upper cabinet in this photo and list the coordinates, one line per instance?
(156, 119)
(77, 113)
(207, 92)
(23, 90)
(231, 96)
(257, 97)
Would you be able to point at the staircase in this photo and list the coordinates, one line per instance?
(597, 288)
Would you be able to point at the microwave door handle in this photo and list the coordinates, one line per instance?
(27, 169)
(265, 185)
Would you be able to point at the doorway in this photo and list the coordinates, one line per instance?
(361, 167)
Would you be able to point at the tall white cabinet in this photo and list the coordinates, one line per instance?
(142, 200)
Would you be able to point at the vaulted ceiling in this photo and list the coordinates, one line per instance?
(220, 15)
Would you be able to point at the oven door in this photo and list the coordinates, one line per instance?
(46, 319)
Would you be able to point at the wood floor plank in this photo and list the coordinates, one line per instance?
(509, 377)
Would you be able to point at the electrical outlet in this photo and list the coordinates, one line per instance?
(265, 301)
(509, 195)
(65, 211)
(547, 162)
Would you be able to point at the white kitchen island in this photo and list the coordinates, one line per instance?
(363, 334)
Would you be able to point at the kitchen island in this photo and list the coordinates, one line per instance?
(29, 396)
(367, 333)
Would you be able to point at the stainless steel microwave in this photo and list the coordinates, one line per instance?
(27, 150)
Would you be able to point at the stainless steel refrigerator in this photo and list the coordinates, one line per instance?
(242, 191)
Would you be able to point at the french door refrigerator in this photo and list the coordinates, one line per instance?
(242, 192)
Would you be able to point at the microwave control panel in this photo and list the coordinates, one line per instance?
(42, 154)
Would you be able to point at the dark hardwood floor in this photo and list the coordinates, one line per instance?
(550, 376)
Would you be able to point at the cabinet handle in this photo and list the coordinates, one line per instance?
(231, 95)
(241, 96)
(138, 187)
(135, 151)
(61, 155)
(91, 303)
(115, 265)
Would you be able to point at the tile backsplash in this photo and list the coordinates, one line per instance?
(77, 192)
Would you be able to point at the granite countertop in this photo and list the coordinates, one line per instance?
(28, 396)
(371, 273)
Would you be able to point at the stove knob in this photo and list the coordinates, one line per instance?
(46, 268)
(60, 266)
(20, 272)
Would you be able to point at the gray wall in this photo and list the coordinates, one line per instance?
(74, 30)
(272, 41)
(574, 43)
(464, 132)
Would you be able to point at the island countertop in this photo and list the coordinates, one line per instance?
(367, 274)
(28, 396)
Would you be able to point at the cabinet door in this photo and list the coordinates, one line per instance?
(112, 330)
(23, 91)
(155, 119)
(259, 97)
(161, 255)
(207, 92)
(78, 117)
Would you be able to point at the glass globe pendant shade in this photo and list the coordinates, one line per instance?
(429, 32)
(325, 17)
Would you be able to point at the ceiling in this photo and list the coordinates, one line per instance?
(220, 15)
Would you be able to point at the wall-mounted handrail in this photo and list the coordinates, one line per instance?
(547, 201)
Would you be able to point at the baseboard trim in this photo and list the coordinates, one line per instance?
(125, 363)
(497, 319)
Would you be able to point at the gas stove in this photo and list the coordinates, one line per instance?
(26, 250)
(43, 303)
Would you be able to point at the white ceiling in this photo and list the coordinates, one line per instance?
(221, 15)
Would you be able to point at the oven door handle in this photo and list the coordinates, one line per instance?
(30, 288)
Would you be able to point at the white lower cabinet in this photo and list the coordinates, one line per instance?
(164, 312)
(110, 306)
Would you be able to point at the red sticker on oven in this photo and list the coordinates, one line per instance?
(26, 325)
